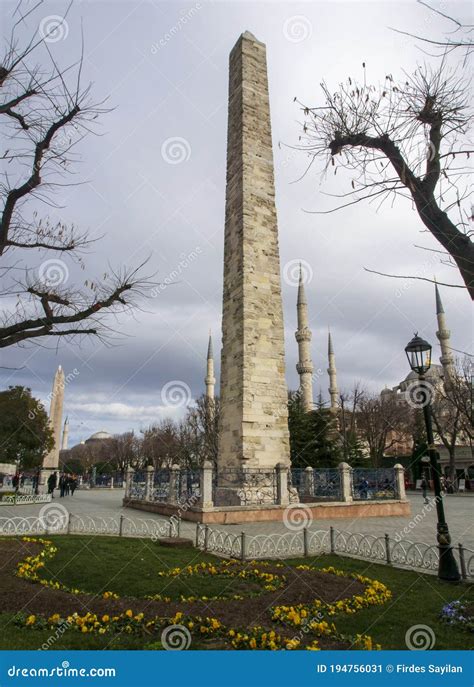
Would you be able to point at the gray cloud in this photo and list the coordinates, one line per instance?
(164, 68)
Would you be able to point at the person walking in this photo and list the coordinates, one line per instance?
(16, 482)
(424, 489)
(73, 484)
(52, 483)
(62, 484)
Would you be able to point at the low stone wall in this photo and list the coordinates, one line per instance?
(232, 515)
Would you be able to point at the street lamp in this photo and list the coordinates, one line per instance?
(419, 357)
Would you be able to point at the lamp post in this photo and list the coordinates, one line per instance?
(419, 357)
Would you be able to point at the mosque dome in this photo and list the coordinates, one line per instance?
(99, 436)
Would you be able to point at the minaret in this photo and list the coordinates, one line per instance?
(444, 335)
(253, 392)
(333, 390)
(210, 380)
(304, 365)
(65, 439)
(51, 460)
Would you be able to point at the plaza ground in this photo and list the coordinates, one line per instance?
(420, 526)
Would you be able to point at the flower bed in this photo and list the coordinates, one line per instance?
(297, 626)
(459, 615)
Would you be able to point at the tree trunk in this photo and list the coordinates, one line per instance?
(457, 244)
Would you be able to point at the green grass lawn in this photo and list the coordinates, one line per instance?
(129, 567)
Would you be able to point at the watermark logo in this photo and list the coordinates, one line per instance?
(297, 516)
(53, 272)
(297, 29)
(173, 277)
(293, 269)
(176, 638)
(53, 28)
(176, 394)
(175, 150)
(53, 517)
(420, 638)
(185, 17)
(419, 394)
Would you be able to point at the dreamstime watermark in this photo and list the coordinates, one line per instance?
(176, 394)
(424, 271)
(297, 29)
(173, 276)
(60, 630)
(419, 517)
(420, 638)
(306, 626)
(186, 16)
(53, 272)
(293, 269)
(419, 394)
(176, 638)
(184, 504)
(53, 28)
(175, 150)
(297, 516)
(53, 517)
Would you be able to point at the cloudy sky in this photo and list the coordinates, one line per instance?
(155, 187)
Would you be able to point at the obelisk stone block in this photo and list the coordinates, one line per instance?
(253, 392)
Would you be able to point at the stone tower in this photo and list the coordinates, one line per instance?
(253, 391)
(51, 460)
(210, 380)
(332, 372)
(444, 337)
(65, 439)
(304, 365)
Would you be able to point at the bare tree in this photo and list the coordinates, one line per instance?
(459, 37)
(402, 139)
(202, 422)
(451, 410)
(160, 444)
(45, 112)
(382, 424)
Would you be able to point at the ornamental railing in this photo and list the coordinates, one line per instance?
(57, 520)
(245, 486)
(378, 484)
(24, 499)
(307, 542)
(317, 484)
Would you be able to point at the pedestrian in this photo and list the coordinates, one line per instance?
(62, 484)
(52, 483)
(73, 484)
(35, 484)
(16, 481)
(424, 489)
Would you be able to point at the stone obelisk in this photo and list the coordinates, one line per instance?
(65, 439)
(51, 460)
(253, 391)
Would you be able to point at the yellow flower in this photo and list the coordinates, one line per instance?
(31, 620)
(84, 628)
(129, 613)
(105, 618)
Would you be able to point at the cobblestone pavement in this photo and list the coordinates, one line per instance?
(420, 526)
